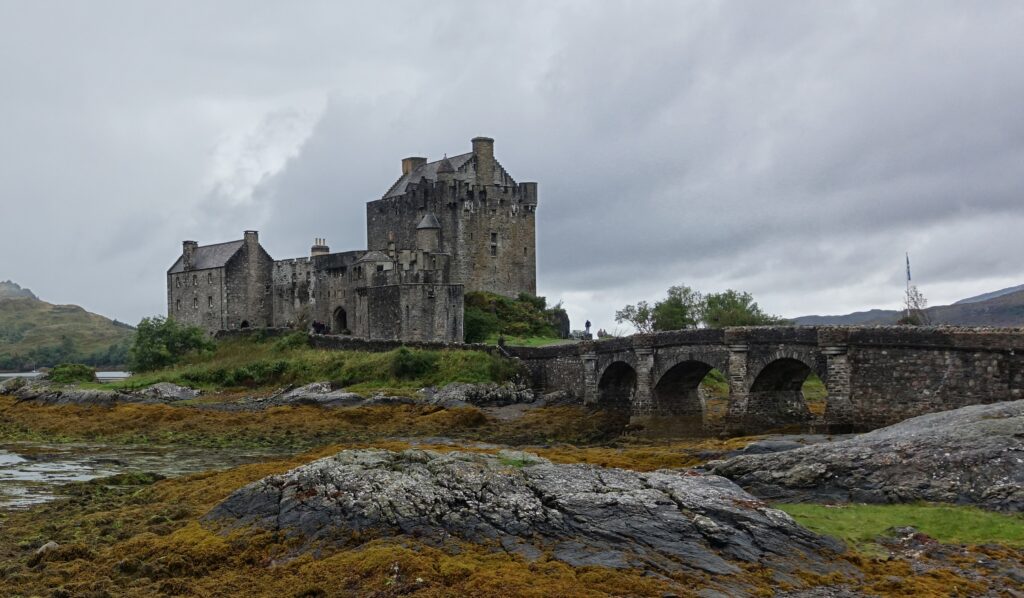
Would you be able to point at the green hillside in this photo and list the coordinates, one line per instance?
(34, 333)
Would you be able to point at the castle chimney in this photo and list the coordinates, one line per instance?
(483, 151)
(188, 254)
(252, 237)
(319, 247)
(411, 164)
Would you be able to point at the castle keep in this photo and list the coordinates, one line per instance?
(443, 228)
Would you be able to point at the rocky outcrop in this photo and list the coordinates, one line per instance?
(973, 455)
(46, 392)
(582, 514)
(460, 394)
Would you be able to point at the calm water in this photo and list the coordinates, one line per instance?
(33, 473)
(102, 376)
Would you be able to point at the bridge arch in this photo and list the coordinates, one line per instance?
(677, 403)
(776, 397)
(616, 392)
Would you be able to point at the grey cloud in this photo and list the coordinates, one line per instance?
(795, 150)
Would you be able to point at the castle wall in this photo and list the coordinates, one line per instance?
(196, 298)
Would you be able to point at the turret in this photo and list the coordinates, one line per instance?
(445, 170)
(428, 233)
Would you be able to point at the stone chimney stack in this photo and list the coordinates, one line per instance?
(411, 164)
(188, 254)
(319, 248)
(483, 151)
(252, 238)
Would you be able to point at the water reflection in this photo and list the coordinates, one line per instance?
(33, 473)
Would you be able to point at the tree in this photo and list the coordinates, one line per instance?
(160, 342)
(681, 309)
(734, 308)
(915, 308)
(641, 316)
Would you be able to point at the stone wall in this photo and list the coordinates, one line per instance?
(248, 286)
(196, 298)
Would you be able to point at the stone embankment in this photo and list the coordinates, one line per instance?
(521, 503)
(972, 455)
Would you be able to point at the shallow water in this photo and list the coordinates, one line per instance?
(32, 473)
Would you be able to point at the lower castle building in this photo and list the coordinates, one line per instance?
(443, 228)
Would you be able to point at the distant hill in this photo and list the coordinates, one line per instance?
(34, 333)
(991, 295)
(999, 308)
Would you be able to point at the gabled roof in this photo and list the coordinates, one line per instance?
(464, 168)
(429, 221)
(209, 256)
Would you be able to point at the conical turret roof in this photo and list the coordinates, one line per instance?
(428, 221)
(445, 167)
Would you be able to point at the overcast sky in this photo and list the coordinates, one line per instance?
(791, 149)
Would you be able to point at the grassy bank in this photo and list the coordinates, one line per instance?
(861, 525)
(257, 363)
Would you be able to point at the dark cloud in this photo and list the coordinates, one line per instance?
(795, 150)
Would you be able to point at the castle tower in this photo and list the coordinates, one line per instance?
(488, 219)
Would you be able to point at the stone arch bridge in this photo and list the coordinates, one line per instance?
(874, 376)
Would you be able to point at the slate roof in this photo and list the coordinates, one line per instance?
(429, 221)
(374, 256)
(209, 256)
(461, 164)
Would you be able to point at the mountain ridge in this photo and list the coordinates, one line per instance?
(998, 308)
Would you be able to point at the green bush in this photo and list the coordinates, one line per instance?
(72, 373)
(160, 342)
(409, 365)
(479, 324)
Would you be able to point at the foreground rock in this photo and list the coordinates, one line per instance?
(585, 515)
(973, 455)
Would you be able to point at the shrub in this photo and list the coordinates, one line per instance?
(479, 324)
(408, 365)
(295, 340)
(71, 373)
(160, 342)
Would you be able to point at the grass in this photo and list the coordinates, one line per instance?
(860, 525)
(528, 341)
(252, 363)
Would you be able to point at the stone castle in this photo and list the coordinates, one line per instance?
(443, 228)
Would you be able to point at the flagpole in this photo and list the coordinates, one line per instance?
(907, 301)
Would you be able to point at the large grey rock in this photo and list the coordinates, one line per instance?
(168, 392)
(317, 393)
(972, 455)
(582, 514)
(52, 393)
(461, 394)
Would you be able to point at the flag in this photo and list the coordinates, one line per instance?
(908, 267)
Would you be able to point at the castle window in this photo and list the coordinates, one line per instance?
(494, 250)
(177, 282)
(195, 280)
(209, 302)
(266, 290)
(177, 305)
(209, 278)
(195, 303)
(380, 267)
(525, 250)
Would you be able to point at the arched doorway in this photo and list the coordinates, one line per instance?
(339, 321)
(776, 398)
(244, 324)
(677, 403)
(615, 393)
